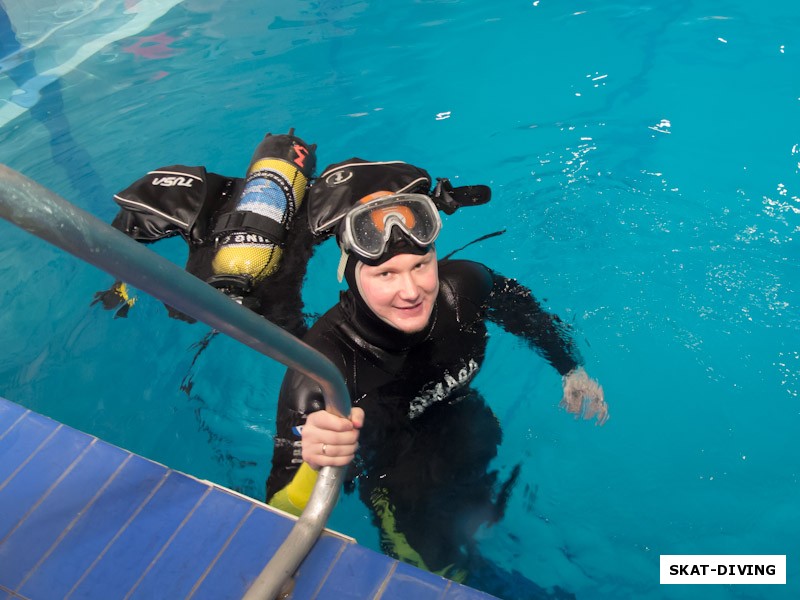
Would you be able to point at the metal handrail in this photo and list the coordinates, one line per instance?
(39, 211)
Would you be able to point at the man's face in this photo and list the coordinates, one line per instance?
(402, 290)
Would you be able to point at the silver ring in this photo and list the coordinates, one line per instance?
(325, 449)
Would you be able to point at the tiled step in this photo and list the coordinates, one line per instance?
(80, 518)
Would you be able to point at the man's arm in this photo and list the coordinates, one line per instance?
(290, 481)
(308, 438)
(514, 308)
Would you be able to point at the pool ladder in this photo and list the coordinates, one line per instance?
(39, 211)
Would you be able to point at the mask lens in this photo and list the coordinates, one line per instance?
(370, 224)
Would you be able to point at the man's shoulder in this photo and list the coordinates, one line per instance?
(322, 337)
(466, 276)
(325, 325)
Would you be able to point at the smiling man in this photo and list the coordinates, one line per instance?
(409, 336)
(401, 291)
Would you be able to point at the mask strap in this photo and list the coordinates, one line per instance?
(342, 265)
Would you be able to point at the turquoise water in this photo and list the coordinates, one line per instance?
(644, 161)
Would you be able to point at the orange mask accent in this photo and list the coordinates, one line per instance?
(379, 215)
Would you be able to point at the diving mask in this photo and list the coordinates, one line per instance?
(367, 227)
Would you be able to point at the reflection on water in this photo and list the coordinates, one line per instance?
(643, 162)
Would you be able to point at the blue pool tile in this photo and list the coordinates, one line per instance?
(408, 582)
(38, 531)
(190, 553)
(18, 443)
(357, 574)
(84, 519)
(66, 565)
(315, 567)
(250, 549)
(20, 492)
(125, 561)
(10, 413)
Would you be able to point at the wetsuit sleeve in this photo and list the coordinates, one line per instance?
(513, 307)
(291, 480)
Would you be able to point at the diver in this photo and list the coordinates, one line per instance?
(409, 335)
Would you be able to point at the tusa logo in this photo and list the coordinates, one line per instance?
(172, 181)
(338, 177)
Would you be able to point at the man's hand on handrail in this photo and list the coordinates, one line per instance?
(331, 441)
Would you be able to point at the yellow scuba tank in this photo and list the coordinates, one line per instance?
(251, 234)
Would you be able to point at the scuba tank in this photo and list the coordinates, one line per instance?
(250, 233)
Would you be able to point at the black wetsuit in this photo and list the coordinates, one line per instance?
(428, 437)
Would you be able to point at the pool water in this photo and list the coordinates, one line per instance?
(644, 162)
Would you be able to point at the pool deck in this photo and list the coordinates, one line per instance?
(80, 518)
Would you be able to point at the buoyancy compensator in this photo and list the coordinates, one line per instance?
(243, 234)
